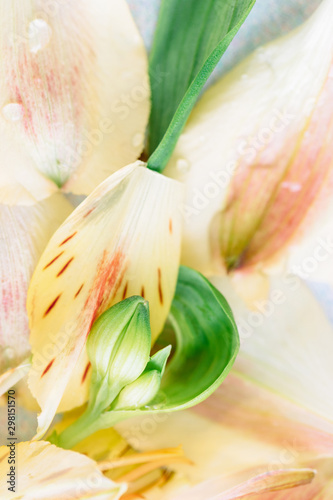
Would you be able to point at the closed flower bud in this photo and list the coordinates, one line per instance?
(143, 390)
(118, 348)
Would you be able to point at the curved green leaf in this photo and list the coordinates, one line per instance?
(207, 343)
(191, 37)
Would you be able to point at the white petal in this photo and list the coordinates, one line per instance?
(257, 150)
(24, 233)
(20, 182)
(286, 344)
(74, 87)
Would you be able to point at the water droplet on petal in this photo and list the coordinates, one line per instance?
(294, 187)
(137, 140)
(39, 33)
(13, 111)
(183, 165)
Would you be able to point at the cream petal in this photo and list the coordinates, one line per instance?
(241, 440)
(24, 233)
(257, 150)
(311, 256)
(124, 105)
(286, 344)
(257, 486)
(9, 378)
(74, 87)
(20, 182)
(239, 404)
(123, 240)
(47, 472)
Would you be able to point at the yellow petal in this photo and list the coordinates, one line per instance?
(257, 150)
(74, 88)
(123, 240)
(24, 233)
(43, 471)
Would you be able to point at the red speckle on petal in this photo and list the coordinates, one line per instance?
(67, 239)
(48, 367)
(125, 291)
(160, 291)
(89, 212)
(85, 373)
(79, 290)
(53, 260)
(107, 281)
(51, 306)
(65, 266)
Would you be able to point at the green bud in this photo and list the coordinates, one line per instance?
(118, 348)
(138, 393)
(143, 390)
(159, 360)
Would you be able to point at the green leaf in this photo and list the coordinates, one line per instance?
(207, 343)
(191, 37)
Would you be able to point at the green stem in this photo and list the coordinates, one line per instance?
(84, 426)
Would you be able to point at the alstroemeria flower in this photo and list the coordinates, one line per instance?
(123, 240)
(256, 153)
(74, 88)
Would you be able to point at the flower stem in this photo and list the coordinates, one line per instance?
(88, 423)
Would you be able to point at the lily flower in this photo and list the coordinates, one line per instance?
(256, 154)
